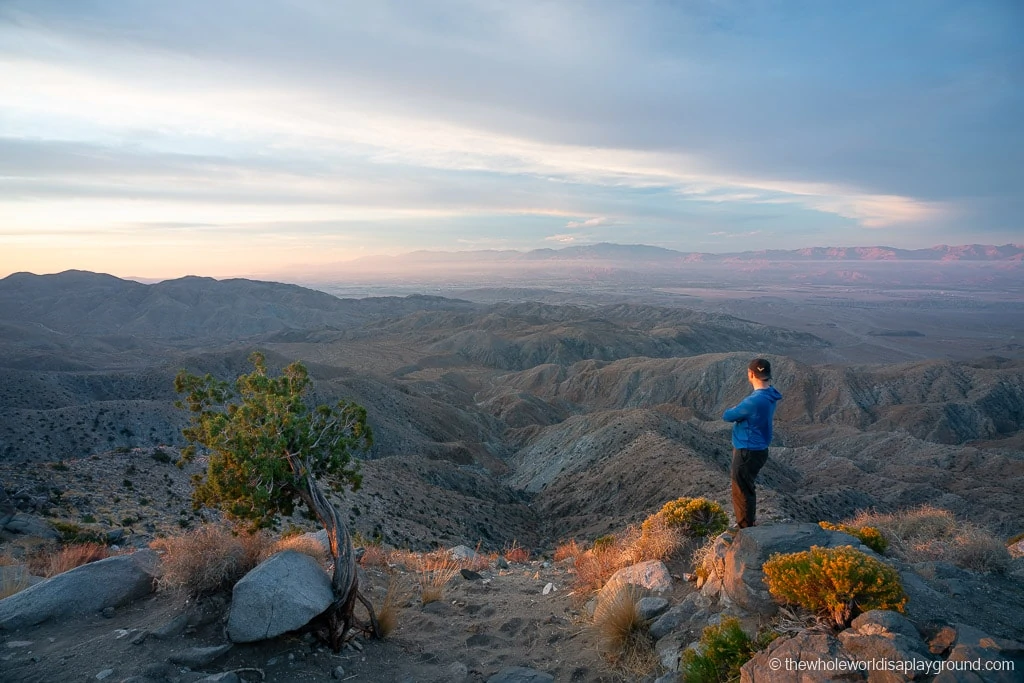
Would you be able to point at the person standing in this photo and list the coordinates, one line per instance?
(751, 436)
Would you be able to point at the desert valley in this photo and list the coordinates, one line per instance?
(523, 401)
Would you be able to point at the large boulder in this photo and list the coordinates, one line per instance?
(282, 594)
(882, 635)
(651, 575)
(743, 580)
(83, 590)
(804, 658)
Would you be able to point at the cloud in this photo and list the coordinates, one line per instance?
(589, 223)
(564, 238)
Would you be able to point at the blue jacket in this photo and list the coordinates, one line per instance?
(753, 418)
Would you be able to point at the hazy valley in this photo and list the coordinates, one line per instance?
(540, 412)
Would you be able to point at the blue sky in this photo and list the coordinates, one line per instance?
(237, 137)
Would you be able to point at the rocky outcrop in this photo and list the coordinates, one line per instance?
(740, 572)
(87, 589)
(280, 595)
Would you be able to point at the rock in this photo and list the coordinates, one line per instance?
(882, 622)
(501, 563)
(108, 612)
(677, 616)
(280, 595)
(549, 588)
(1016, 549)
(792, 660)
(88, 589)
(520, 674)
(196, 657)
(174, 627)
(470, 575)
(974, 646)
(464, 553)
(650, 607)
(140, 637)
(338, 672)
(652, 575)
(743, 580)
(884, 635)
(942, 642)
(669, 650)
(114, 536)
(225, 677)
(30, 525)
(457, 671)
(104, 675)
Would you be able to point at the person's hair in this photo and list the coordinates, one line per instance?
(761, 368)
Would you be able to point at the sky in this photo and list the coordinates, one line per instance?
(231, 137)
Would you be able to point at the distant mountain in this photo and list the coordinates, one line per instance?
(191, 308)
(606, 251)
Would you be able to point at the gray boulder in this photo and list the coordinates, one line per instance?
(804, 658)
(975, 648)
(87, 589)
(743, 581)
(885, 635)
(648, 608)
(30, 525)
(282, 594)
(692, 607)
(652, 575)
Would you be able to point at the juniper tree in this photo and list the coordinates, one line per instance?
(268, 450)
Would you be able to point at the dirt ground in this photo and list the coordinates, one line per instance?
(478, 628)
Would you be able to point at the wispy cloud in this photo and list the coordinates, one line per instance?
(440, 126)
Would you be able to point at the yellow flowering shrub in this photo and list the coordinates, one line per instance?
(838, 582)
(868, 535)
(692, 516)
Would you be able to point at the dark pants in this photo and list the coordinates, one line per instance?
(745, 466)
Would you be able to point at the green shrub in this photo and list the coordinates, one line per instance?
(604, 542)
(692, 516)
(868, 535)
(76, 533)
(723, 650)
(160, 455)
(838, 582)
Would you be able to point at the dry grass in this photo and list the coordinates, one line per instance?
(13, 582)
(307, 545)
(516, 553)
(208, 559)
(568, 550)
(596, 565)
(703, 564)
(435, 570)
(74, 555)
(387, 615)
(655, 540)
(928, 533)
(374, 556)
(623, 633)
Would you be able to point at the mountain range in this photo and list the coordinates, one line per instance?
(518, 420)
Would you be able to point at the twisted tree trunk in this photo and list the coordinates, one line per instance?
(345, 581)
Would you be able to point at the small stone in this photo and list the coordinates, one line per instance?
(140, 637)
(470, 575)
(121, 633)
(650, 607)
(174, 627)
(550, 588)
(105, 674)
(272, 661)
(19, 643)
(108, 612)
(545, 564)
(356, 644)
(338, 673)
(501, 563)
(943, 641)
